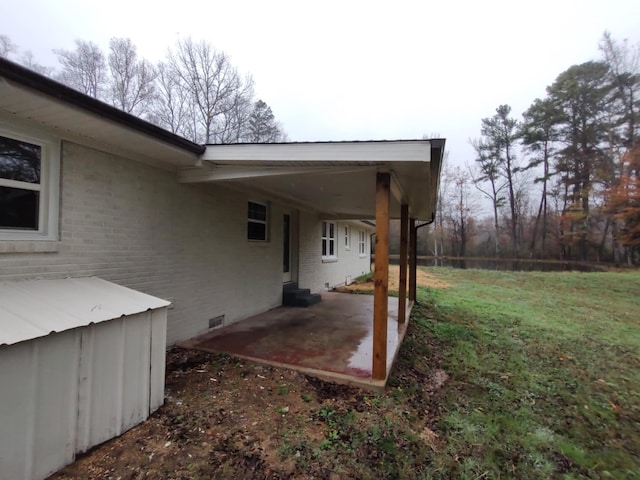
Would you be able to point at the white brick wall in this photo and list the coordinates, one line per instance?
(315, 274)
(137, 226)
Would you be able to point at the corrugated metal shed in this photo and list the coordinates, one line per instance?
(100, 374)
(34, 308)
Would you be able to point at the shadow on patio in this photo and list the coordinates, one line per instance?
(332, 340)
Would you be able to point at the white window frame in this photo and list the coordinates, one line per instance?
(362, 243)
(347, 237)
(49, 187)
(265, 222)
(330, 240)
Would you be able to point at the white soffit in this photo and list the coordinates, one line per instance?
(337, 179)
(35, 308)
(72, 123)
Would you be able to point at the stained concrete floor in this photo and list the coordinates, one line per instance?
(332, 339)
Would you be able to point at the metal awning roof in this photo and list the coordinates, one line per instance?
(35, 308)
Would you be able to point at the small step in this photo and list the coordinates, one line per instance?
(306, 300)
(298, 297)
(291, 293)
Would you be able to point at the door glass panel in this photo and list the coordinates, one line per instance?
(286, 254)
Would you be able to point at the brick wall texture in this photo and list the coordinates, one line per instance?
(137, 226)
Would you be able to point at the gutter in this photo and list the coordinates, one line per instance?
(30, 79)
(415, 257)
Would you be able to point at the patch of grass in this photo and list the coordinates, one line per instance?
(365, 277)
(283, 390)
(545, 373)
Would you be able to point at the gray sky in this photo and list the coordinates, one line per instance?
(356, 70)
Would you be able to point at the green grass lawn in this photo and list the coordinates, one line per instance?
(544, 373)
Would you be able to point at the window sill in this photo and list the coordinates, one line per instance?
(329, 259)
(363, 256)
(29, 246)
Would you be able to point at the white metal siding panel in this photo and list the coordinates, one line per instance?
(136, 370)
(66, 392)
(157, 361)
(56, 406)
(16, 406)
(100, 394)
(38, 406)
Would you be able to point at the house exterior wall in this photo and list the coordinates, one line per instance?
(316, 274)
(135, 225)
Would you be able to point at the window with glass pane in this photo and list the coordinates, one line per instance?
(361, 243)
(329, 239)
(257, 221)
(20, 167)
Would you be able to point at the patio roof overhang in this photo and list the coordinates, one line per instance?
(377, 180)
(335, 179)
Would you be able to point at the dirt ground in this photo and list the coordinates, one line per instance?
(232, 419)
(423, 279)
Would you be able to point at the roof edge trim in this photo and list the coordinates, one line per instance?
(30, 79)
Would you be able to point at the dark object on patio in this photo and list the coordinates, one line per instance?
(298, 297)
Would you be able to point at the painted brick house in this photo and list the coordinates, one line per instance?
(87, 190)
(200, 225)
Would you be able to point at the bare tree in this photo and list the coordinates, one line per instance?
(211, 84)
(83, 68)
(460, 211)
(233, 124)
(7, 47)
(439, 223)
(132, 79)
(28, 60)
(171, 108)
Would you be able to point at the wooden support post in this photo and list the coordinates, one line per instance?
(402, 289)
(381, 277)
(413, 252)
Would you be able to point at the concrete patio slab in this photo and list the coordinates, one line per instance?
(332, 340)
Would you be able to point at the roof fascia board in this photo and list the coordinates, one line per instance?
(371, 151)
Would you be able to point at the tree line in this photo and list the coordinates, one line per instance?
(195, 91)
(562, 181)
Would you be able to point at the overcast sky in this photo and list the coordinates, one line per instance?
(355, 70)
